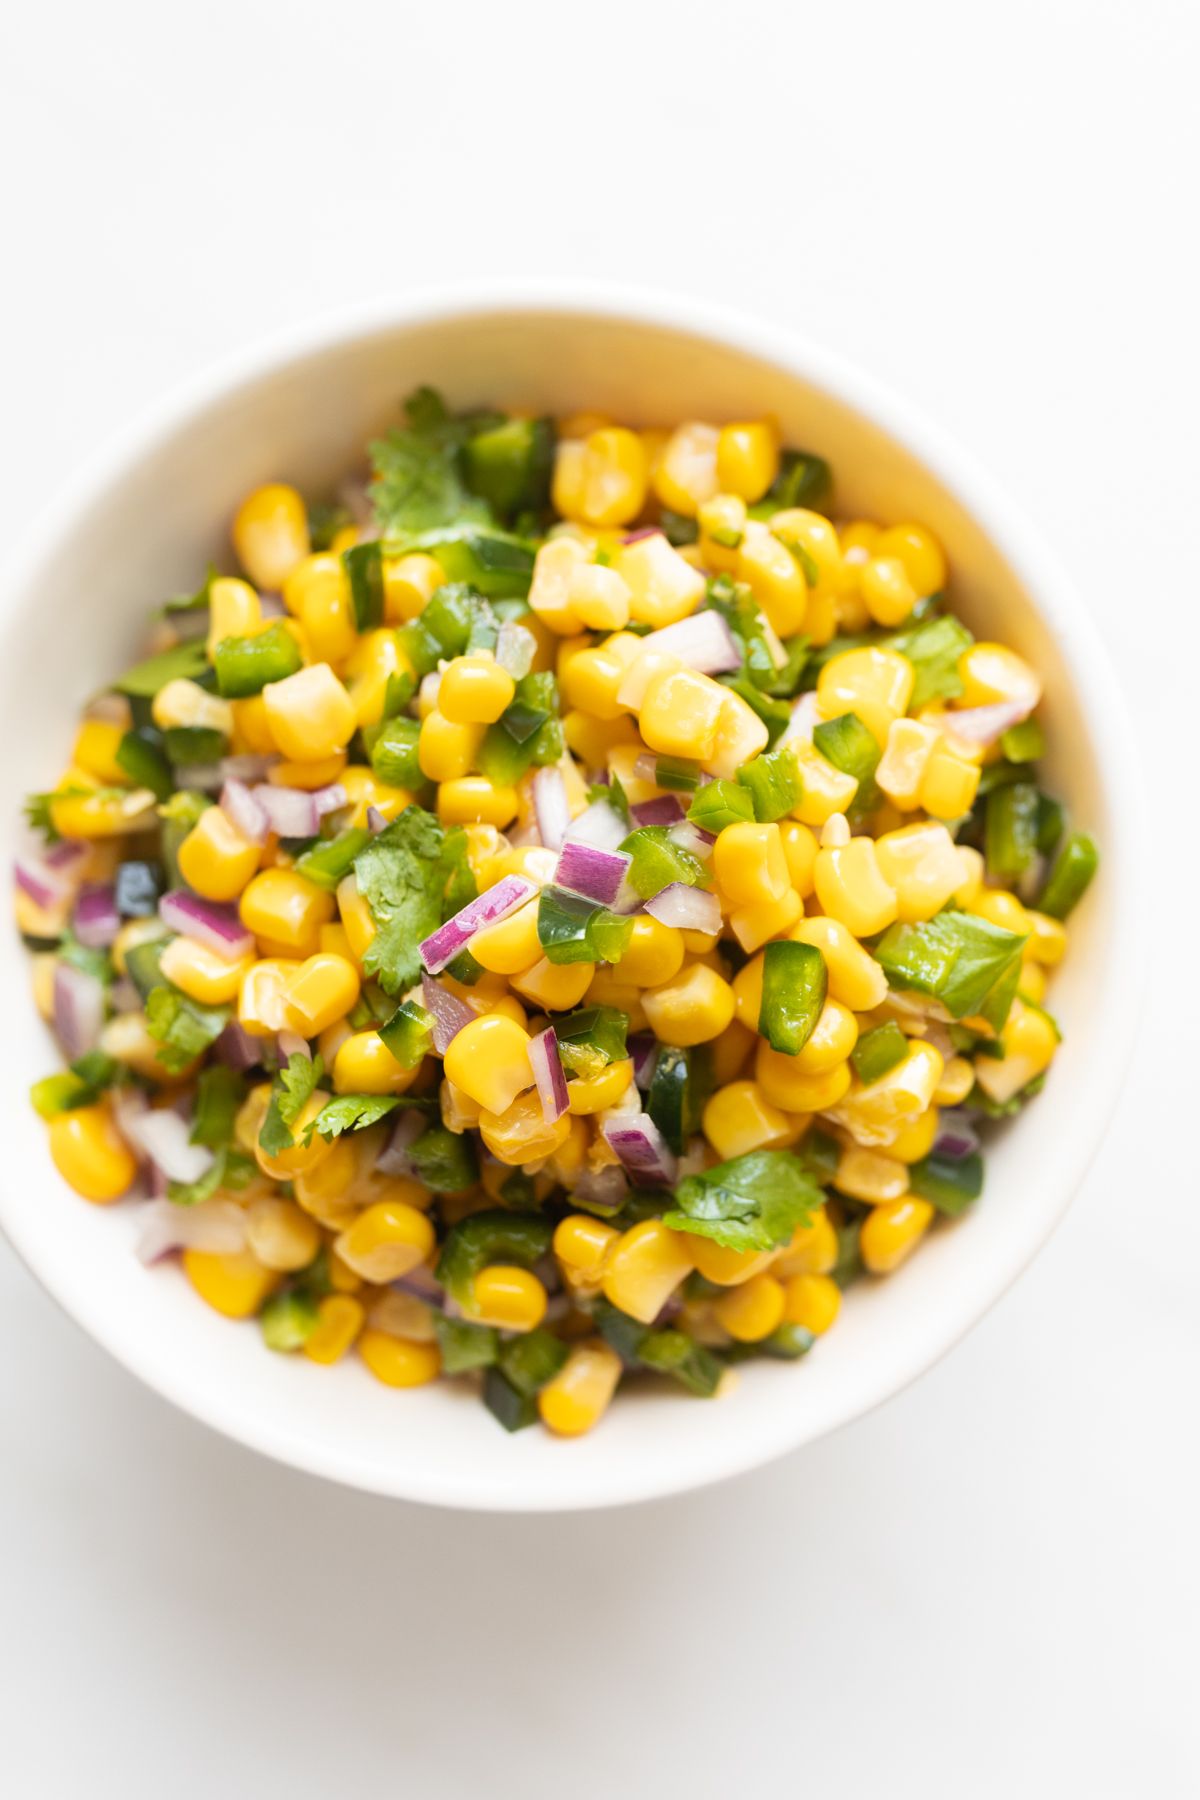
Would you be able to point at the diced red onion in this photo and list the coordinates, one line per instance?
(664, 809)
(515, 649)
(596, 874)
(601, 1187)
(162, 1135)
(215, 926)
(641, 1147)
(643, 531)
(702, 641)
(217, 1226)
(78, 1008)
(375, 819)
(67, 856)
(799, 728)
(244, 811)
(248, 769)
(495, 903)
(643, 1048)
(599, 824)
(291, 1044)
(957, 1136)
(693, 838)
(686, 908)
(450, 1013)
(271, 605)
(96, 920)
(986, 725)
(670, 1309)
(421, 1283)
(238, 1048)
(395, 1159)
(548, 1073)
(52, 877)
(552, 807)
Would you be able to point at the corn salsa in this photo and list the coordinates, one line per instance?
(552, 915)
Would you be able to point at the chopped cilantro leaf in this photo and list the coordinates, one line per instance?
(754, 1202)
(291, 1091)
(182, 1028)
(413, 875)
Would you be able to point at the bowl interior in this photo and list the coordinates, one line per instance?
(75, 611)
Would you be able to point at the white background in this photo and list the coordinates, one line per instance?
(993, 1584)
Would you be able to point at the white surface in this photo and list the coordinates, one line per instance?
(993, 1582)
(155, 513)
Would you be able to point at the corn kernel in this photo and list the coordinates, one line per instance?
(948, 784)
(310, 713)
(752, 1310)
(96, 744)
(875, 1114)
(693, 1008)
(891, 1232)
(663, 587)
(815, 536)
(680, 713)
(235, 1284)
(270, 534)
(791, 1089)
(90, 1154)
(409, 583)
(653, 955)
(825, 790)
(887, 593)
(992, 672)
(281, 1235)
(365, 1065)
(183, 703)
(282, 906)
(686, 473)
(851, 887)
(741, 734)
(870, 1175)
(749, 863)
(800, 854)
(599, 597)
(921, 864)
(339, 1321)
(489, 1060)
(397, 1362)
(573, 1401)
(762, 920)
(644, 1267)
(748, 458)
(1029, 1042)
(902, 766)
(876, 684)
(813, 1302)
(510, 1298)
(555, 986)
(323, 990)
(812, 1250)
(201, 974)
(582, 1243)
(474, 690)
(474, 800)
(215, 858)
(739, 1118)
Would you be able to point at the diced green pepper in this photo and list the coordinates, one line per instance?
(795, 982)
(878, 1051)
(408, 1034)
(513, 1410)
(363, 564)
(849, 746)
(1024, 743)
(245, 665)
(510, 465)
(657, 861)
(1010, 830)
(721, 803)
(572, 929)
(444, 1161)
(1071, 876)
(488, 1237)
(672, 1352)
(140, 753)
(464, 1345)
(327, 862)
(394, 756)
(531, 1360)
(950, 1183)
(774, 783)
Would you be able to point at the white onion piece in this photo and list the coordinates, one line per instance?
(552, 807)
(217, 1226)
(395, 1159)
(799, 728)
(291, 1044)
(515, 649)
(986, 725)
(703, 641)
(78, 1008)
(162, 1135)
(245, 812)
(599, 824)
(686, 908)
(693, 838)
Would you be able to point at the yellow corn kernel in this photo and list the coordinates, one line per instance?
(398, 1362)
(262, 1003)
(875, 1114)
(280, 905)
(749, 863)
(474, 800)
(904, 761)
(813, 1302)
(474, 690)
(215, 858)
(270, 534)
(730, 1052)
(521, 1133)
(870, 1175)
(958, 1078)
(96, 744)
(251, 731)
(747, 992)
(309, 776)
(1029, 1041)
(386, 1241)
(992, 672)
(186, 703)
(813, 534)
(409, 583)
(342, 1278)
(233, 611)
(722, 523)
(724, 1267)
(369, 668)
(686, 472)
(554, 565)
(446, 751)
(318, 593)
(339, 1321)
(592, 677)
(201, 974)
(812, 1250)
(663, 586)
(594, 1094)
(832, 1039)
(90, 1154)
(1033, 982)
(599, 598)
(644, 1267)
(1001, 908)
(356, 917)
(44, 964)
(582, 1244)
(281, 1235)
(851, 887)
(323, 990)
(824, 789)
(876, 684)
(921, 864)
(310, 714)
(916, 1139)
(365, 1065)
(693, 1008)
(741, 734)
(576, 1399)
(748, 458)
(508, 1297)
(887, 592)
(921, 554)
(613, 477)
(762, 920)
(891, 1232)
(752, 1310)
(489, 1060)
(948, 784)
(855, 978)
(235, 1284)
(325, 1192)
(653, 955)
(511, 945)
(1047, 938)
(555, 986)
(739, 1118)
(791, 1089)
(800, 854)
(680, 712)
(774, 577)
(591, 738)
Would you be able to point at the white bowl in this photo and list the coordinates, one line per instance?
(141, 525)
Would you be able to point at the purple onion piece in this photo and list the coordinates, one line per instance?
(217, 927)
(600, 825)
(238, 1048)
(643, 531)
(422, 1284)
(96, 920)
(548, 1074)
(686, 908)
(450, 1013)
(375, 820)
(957, 1136)
(986, 725)
(596, 874)
(643, 1048)
(290, 1044)
(664, 809)
(693, 838)
(641, 1148)
(495, 903)
(244, 811)
(78, 1008)
(395, 1158)
(43, 885)
(291, 812)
